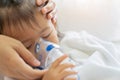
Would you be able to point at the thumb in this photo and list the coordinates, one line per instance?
(27, 56)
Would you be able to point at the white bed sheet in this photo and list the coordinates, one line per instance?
(98, 59)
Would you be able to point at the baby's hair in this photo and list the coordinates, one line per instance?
(5, 3)
(14, 12)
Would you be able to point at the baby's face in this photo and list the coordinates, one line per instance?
(29, 36)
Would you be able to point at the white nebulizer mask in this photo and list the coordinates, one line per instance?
(48, 52)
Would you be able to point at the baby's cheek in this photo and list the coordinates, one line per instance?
(53, 37)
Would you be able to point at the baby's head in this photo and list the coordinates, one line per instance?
(22, 20)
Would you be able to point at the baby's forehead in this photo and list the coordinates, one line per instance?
(21, 28)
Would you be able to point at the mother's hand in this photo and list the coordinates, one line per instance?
(49, 9)
(14, 60)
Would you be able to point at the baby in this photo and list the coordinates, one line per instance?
(21, 19)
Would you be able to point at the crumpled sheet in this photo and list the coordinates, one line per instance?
(97, 59)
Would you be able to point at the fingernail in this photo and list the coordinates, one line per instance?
(44, 10)
(54, 20)
(36, 62)
(39, 2)
(50, 16)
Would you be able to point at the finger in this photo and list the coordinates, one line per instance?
(68, 73)
(71, 79)
(12, 66)
(27, 72)
(54, 21)
(34, 74)
(65, 66)
(49, 7)
(58, 61)
(20, 69)
(39, 2)
(52, 14)
(27, 55)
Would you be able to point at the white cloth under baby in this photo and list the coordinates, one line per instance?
(98, 59)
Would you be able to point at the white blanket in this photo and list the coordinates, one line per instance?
(98, 60)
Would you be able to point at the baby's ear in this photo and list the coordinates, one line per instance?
(8, 3)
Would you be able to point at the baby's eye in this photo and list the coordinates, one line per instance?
(46, 36)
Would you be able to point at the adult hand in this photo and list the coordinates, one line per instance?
(49, 9)
(14, 60)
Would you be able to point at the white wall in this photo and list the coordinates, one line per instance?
(99, 17)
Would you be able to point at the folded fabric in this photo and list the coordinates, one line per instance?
(97, 59)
